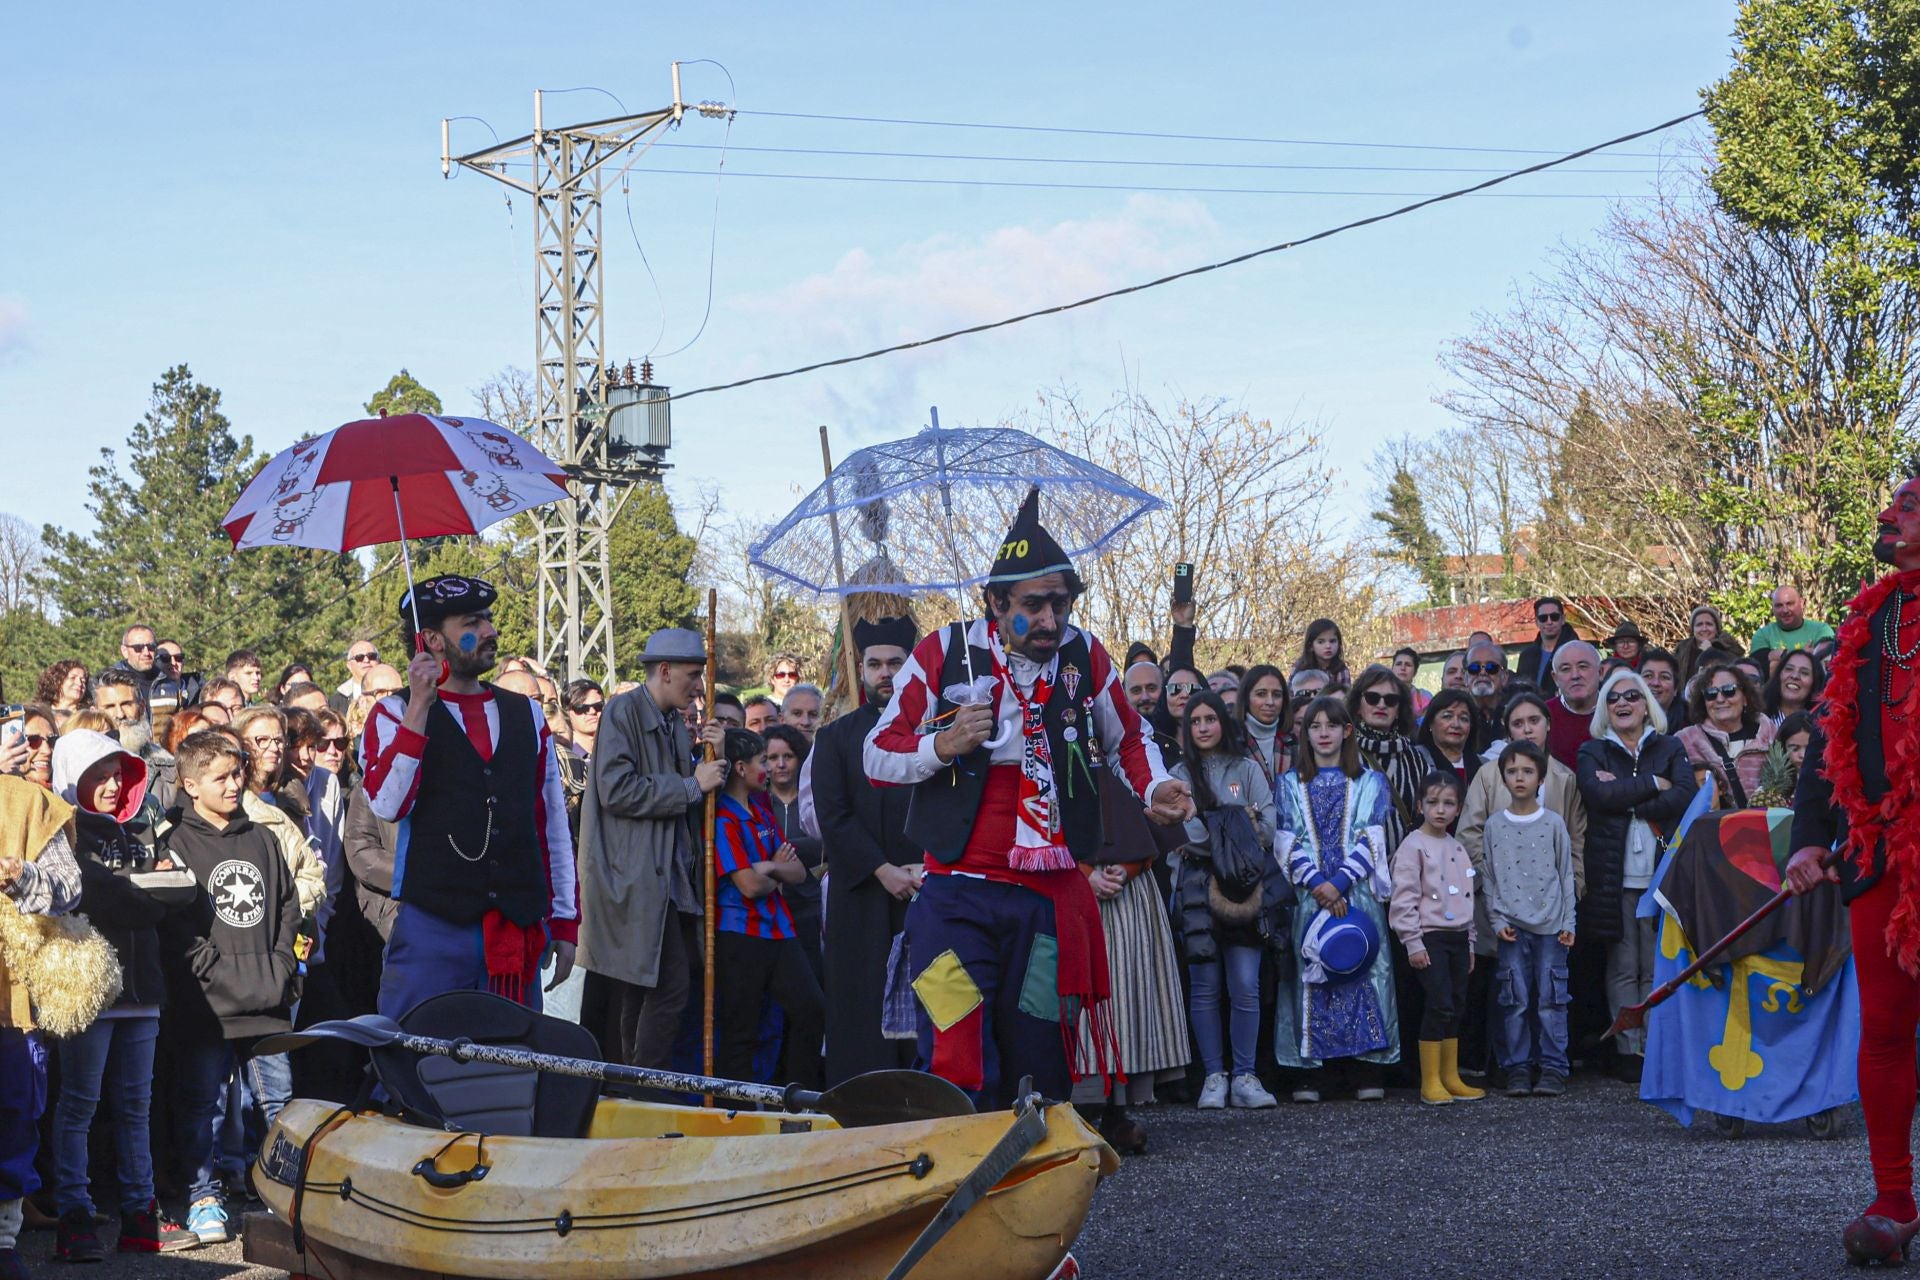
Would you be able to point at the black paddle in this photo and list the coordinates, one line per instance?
(878, 1097)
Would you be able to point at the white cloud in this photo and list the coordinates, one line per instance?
(873, 298)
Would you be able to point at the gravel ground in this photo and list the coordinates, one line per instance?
(1592, 1185)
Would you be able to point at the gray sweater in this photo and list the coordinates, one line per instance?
(1529, 873)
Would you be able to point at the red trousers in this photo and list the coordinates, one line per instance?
(1889, 1019)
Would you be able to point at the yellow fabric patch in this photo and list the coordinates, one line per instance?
(945, 990)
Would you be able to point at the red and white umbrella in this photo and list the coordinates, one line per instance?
(416, 475)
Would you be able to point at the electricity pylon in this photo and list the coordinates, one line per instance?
(568, 179)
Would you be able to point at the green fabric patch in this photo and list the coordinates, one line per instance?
(1040, 989)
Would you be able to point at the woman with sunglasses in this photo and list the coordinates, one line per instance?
(586, 703)
(37, 736)
(1381, 708)
(1637, 782)
(1729, 734)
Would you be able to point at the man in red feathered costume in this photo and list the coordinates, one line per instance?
(1860, 792)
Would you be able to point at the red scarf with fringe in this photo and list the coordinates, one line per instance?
(513, 955)
(1896, 819)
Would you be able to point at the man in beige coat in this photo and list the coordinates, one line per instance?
(640, 857)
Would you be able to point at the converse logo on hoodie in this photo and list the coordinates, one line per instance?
(239, 894)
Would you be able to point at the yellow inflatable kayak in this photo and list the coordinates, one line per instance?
(656, 1190)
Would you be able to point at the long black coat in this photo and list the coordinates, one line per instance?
(1611, 809)
(861, 826)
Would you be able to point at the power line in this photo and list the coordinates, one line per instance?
(1116, 162)
(1327, 234)
(895, 180)
(1171, 137)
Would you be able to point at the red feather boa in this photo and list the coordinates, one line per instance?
(1896, 819)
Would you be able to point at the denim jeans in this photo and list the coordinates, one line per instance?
(1533, 991)
(113, 1059)
(202, 1070)
(1242, 965)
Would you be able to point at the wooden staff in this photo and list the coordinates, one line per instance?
(712, 912)
(849, 658)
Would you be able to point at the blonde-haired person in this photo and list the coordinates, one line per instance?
(1637, 781)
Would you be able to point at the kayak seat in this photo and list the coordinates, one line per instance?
(479, 1097)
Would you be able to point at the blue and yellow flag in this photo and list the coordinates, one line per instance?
(1770, 1034)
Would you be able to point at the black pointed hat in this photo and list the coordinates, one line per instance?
(1028, 550)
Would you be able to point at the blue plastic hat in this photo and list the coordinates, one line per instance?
(1344, 945)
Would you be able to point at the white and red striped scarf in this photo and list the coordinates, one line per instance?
(1037, 841)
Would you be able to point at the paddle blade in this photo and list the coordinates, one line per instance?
(893, 1097)
(369, 1031)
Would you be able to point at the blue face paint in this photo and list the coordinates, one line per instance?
(1020, 626)
(469, 642)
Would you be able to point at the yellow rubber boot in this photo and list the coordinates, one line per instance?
(1450, 1079)
(1432, 1091)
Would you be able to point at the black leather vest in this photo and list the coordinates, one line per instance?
(472, 841)
(941, 814)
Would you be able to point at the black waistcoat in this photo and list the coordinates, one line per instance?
(472, 842)
(941, 814)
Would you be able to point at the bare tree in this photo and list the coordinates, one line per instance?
(1246, 501)
(1693, 412)
(22, 566)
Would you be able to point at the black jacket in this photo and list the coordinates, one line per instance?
(125, 914)
(233, 966)
(1528, 666)
(1817, 820)
(1611, 809)
(861, 827)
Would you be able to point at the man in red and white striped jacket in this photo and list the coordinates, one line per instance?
(483, 859)
(1005, 727)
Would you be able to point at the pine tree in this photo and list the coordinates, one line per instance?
(649, 560)
(157, 553)
(402, 394)
(1414, 542)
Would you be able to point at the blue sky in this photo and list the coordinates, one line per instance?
(254, 190)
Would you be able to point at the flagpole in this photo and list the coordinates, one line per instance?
(710, 876)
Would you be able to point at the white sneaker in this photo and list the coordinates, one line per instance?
(1306, 1095)
(1250, 1093)
(1213, 1094)
(1370, 1095)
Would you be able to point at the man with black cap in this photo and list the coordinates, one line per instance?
(638, 860)
(1003, 727)
(483, 864)
(875, 866)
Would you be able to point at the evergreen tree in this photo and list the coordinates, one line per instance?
(402, 394)
(158, 555)
(649, 559)
(1413, 541)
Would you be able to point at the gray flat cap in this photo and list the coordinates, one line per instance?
(674, 644)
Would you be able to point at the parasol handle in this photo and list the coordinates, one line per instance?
(413, 603)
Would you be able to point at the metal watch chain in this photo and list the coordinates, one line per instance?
(486, 841)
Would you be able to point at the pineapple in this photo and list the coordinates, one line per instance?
(1777, 779)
